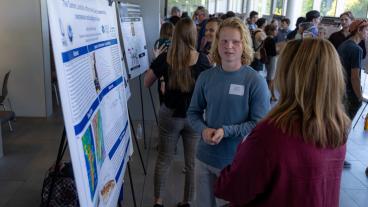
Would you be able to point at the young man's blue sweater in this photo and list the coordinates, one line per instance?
(235, 101)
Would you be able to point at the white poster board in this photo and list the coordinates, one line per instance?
(331, 24)
(89, 69)
(134, 39)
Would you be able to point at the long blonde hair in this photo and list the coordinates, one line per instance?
(247, 53)
(179, 55)
(311, 83)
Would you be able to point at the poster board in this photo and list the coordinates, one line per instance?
(134, 39)
(89, 68)
(332, 25)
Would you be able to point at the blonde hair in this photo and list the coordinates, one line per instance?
(311, 83)
(179, 56)
(247, 53)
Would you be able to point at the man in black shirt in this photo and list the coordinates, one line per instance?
(339, 37)
(351, 55)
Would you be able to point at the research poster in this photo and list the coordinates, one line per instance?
(93, 93)
(134, 39)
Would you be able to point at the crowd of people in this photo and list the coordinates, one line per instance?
(238, 150)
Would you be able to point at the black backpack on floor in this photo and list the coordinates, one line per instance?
(59, 188)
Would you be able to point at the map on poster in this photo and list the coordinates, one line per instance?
(134, 39)
(93, 93)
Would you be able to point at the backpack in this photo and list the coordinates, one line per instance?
(262, 51)
(64, 191)
(59, 187)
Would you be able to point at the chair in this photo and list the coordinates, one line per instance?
(4, 96)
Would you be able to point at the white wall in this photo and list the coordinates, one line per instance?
(22, 42)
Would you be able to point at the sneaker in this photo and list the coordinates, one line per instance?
(347, 164)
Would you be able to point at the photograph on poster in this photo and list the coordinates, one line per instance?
(89, 155)
(98, 137)
(96, 81)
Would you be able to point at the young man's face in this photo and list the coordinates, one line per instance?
(317, 20)
(230, 45)
(364, 33)
(254, 19)
(345, 21)
(284, 25)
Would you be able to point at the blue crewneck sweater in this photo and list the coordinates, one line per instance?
(235, 101)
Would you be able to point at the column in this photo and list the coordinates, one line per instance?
(249, 7)
(293, 11)
(317, 5)
(340, 7)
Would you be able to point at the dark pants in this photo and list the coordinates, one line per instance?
(352, 105)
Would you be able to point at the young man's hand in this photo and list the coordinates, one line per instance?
(218, 135)
(207, 135)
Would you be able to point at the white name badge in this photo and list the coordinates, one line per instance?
(236, 90)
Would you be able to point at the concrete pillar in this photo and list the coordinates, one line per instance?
(317, 5)
(249, 7)
(293, 11)
(340, 7)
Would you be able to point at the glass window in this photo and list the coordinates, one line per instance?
(357, 7)
(328, 8)
(279, 7)
(185, 5)
(264, 7)
(211, 6)
(306, 6)
(235, 6)
(222, 6)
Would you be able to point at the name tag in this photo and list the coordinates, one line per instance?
(236, 90)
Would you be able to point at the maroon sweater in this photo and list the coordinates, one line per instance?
(272, 168)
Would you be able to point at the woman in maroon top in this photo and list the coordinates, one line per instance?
(295, 156)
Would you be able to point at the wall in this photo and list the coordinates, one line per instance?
(22, 42)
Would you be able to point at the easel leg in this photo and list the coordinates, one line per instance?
(142, 110)
(131, 185)
(138, 148)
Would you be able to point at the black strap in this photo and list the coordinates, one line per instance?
(61, 151)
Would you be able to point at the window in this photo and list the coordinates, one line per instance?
(211, 6)
(359, 8)
(328, 8)
(221, 6)
(279, 7)
(306, 6)
(235, 5)
(263, 7)
(185, 5)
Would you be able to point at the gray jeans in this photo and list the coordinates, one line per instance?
(170, 129)
(206, 177)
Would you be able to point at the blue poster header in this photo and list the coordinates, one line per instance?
(74, 53)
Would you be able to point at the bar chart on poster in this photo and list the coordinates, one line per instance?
(134, 39)
(93, 94)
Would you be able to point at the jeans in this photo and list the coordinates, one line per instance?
(206, 177)
(170, 130)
